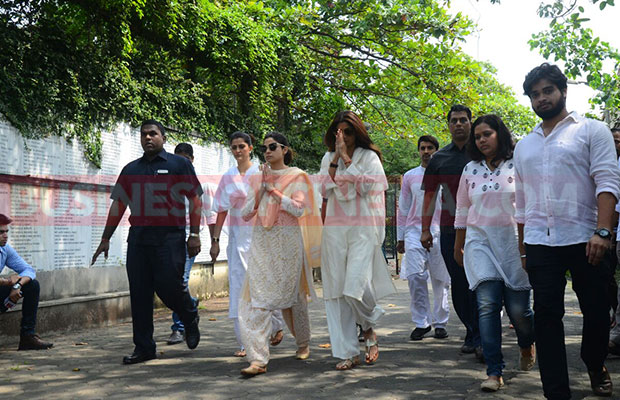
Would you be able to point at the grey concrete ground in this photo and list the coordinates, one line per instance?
(87, 364)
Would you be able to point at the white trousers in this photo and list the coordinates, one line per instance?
(422, 315)
(342, 315)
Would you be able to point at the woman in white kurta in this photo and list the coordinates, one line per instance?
(354, 270)
(487, 245)
(230, 197)
(284, 247)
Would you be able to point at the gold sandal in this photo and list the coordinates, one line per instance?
(254, 369)
(302, 353)
(277, 338)
(347, 364)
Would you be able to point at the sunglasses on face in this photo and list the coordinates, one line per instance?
(271, 147)
(234, 147)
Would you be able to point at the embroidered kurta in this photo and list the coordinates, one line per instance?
(485, 206)
(278, 266)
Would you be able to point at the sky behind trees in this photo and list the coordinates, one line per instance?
(502, 39)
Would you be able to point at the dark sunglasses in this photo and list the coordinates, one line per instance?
(241, 146)
(270, 146)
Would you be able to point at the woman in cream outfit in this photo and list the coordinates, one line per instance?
(354, 271)
(285, 246)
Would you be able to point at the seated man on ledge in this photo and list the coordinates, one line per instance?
(23, 285)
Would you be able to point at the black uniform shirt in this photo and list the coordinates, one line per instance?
(155, 193)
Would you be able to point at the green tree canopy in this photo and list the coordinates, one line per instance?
(209, 68)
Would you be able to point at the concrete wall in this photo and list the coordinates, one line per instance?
(59, 203)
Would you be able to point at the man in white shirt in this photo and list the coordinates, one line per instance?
(614, 335)
(419, 263)
(567, 184)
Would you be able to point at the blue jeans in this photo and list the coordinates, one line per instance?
(177, 324)
(491, 295)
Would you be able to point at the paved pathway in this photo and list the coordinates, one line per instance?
(87, 364)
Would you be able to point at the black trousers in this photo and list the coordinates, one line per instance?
(157, 269)
(463, 299)
(547, 268)
(30, 305)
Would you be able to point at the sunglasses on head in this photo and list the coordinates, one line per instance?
(271, 147)
(241, 146)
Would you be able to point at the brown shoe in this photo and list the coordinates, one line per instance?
(33, 342)
(601, 382)
(527, 358)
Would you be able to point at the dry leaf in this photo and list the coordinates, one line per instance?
(325, 346)
(212, 319)
(391, 305)
(76, 369)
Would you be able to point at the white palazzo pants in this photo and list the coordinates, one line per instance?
(342, 315)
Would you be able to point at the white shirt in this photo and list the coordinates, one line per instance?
(558, 178)
(410, 206)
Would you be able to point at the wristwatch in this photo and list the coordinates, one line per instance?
(603, 232)
(17, 285)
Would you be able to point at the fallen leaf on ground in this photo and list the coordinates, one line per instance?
(212, 319)
(76, 369)
(391, 305)
(325, 346)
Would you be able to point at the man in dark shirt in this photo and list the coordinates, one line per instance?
(154, 187)
(444, 171)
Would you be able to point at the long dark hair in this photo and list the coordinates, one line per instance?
(359, 130)
(280, 138)
(505, 144)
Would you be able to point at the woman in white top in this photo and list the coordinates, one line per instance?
(353, 268)
(486, 244)
(229, 199)
(285, 246)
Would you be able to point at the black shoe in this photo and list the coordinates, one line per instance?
(479, 354)
(613, 348)
(468, 349)
(176, 337)
(418, 333)
(440, 333)
(601, 382)
(192, 333)
(136, 358)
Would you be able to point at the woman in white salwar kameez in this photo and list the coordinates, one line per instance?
(487, 245)
(229, 199)
(353, 268)
(285, 246)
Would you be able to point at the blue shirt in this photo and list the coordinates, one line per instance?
(10, 258)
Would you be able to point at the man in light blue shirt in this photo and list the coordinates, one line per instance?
(22, 285)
